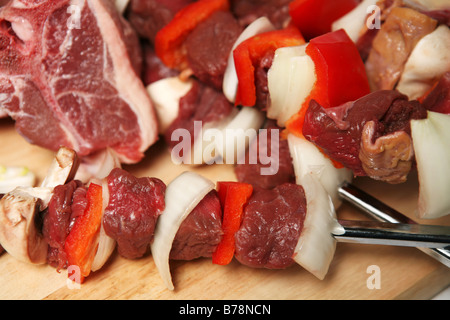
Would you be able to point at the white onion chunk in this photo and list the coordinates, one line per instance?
(316, 245)
(182, 196)
(309, 160)
(431, 140)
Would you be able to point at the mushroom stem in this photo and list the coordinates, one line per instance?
(62, 169)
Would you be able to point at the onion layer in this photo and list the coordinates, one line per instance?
(431, 140)
(309, 160)
(204, 149)
(106, 244)
(121, 5)
(354, 21)
(182, 196)
(227, 141)
(245, 124)
(166, 94)
(316, 245)
(290, 81)
(98, 165)
(428, 61)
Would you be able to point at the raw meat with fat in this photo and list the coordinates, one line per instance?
(69, 75)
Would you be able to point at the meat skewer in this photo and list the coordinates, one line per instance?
(378, 210)
(199, 71)
(305, 211)
(409, 235)
(309, 260)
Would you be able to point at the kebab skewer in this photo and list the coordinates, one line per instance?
(177, 50)
(95, 194)
(189, 219)
(303, 73)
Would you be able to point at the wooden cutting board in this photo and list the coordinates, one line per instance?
(404, 273)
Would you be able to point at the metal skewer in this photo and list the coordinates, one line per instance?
(382, 212)
(400, 234)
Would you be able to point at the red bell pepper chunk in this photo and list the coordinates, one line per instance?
(170, 39)
(249, 53)
(81, 243)
(315, 17)
(340, 75)
(233, 197)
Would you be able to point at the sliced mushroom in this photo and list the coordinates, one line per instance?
(19, 232)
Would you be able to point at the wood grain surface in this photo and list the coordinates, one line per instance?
(405, 273)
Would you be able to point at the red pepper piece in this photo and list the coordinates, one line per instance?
(315, 17)
(249, 53)
(340, 72)
(81, 243)
(233, 197)
(169, 40)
